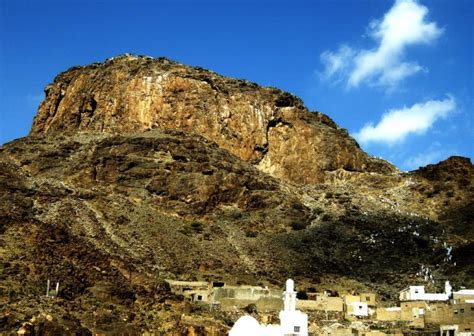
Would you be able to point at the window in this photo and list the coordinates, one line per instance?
(297, 329)
(360, 307)
(416, 291)
(462, 310)
(455, 311)
(367, 298)
(199, 297)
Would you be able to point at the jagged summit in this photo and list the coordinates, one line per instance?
(265, 126)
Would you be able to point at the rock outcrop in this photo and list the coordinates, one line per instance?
(264, 126)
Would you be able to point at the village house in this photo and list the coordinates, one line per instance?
(323, 302)
(412, 310)
(466, 329)
(228, 297)
(417, 293)
(234, 297)
(193, 290)
(389, 314)
(464, 295)
(360, 306)
(463, 313)
(337, 329)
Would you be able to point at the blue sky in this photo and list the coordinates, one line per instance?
(399, 75)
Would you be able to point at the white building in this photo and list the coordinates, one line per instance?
(464, 295)
(417, 293)
(360, 309)
(292, 322)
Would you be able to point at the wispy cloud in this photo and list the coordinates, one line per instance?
(435, 153)
(384, 65)
(396, 125)
(423, 159)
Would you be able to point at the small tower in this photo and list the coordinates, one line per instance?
(289, 296)
(448, 289)
(292, 321)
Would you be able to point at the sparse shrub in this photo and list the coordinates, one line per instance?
(343, 200)
(251, 234)
(193, 228)
(298, 226)
(318, 211)
(302, 295)
(250, 309)
(326, 217)
(236, 214)
(196, 227)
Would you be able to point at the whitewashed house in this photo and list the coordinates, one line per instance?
(359, 309)
(417, 293)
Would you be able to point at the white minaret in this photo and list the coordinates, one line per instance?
(289, 296)
(448, 289)
(292, 321)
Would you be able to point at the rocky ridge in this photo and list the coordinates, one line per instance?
(264, 126)
(125, 181)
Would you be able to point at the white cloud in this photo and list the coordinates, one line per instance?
(336, 62)
(403, 25)
(396, 125)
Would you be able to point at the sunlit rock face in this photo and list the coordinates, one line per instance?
(264, 126)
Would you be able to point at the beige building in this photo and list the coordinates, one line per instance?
(413, 310)
(320, 301)
(463, 313)
(464, 295)
(438, 313)
(192, 290)
(466, 329)
(234, 297)
(337, 329)
(389, 314)
(361, 306)
(369, 298)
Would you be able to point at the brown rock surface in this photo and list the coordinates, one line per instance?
(264, 126)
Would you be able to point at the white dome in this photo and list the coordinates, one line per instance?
(248, 326)
(245, 326)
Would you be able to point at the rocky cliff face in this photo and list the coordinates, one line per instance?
(139, 170)
(264, 126)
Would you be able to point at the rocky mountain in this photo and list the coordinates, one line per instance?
(264, 126)
(138, 170)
